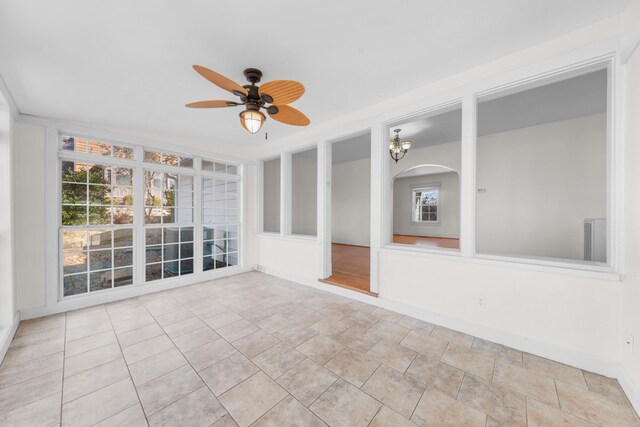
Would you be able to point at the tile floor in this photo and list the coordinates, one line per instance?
(256, 350)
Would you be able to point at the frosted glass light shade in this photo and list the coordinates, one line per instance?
(252, 120)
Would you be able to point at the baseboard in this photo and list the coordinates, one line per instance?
(434, 235)
(630, 387)
(128, 292)
(7, 336)
(565, 355)
(352, 242)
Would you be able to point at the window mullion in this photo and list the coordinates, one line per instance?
(197, 217)
(138, 218)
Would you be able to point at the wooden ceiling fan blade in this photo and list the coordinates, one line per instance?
(219, 80)
(282, 91)
(290, 116)
(212, 104)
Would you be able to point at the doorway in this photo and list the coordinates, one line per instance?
(350, 213)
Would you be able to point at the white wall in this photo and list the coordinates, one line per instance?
(351, 202)
(630, 297)
(6, 232)
(29, 214)
(448, 206)
(304, 193)
(271, 196)
(561, 311)
(541, 183)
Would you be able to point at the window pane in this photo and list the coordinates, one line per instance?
(122, 257)
(99, 215)
(186, 266)
(542, 171)
(153, 236)
(123, 276)
(304, 189)
(123, 237)
(123, 152)
(207, 165)
(124, 176)
(99, 239)
(74, 194)
(99, 148)
(152, 157)
(271, 196)
(75, 284)
(74, 215)
(100, 280)
(74, 262)
(100, 260)
(153, 272)
(153, 254)
(74, 240)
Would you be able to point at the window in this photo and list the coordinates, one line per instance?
(304, 191)
(168, 197)
(102, 225)
(425, 184)
(271, 196)
(96, 194)
(96, 216)
(219, 167)
(99, 148)
(167, 159)
(220, 218)
(168, 201)
(168, 252)
(425, 204)
(96, 259)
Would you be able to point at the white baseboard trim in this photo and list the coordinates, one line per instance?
(565, 355)
(128, 292)
(630, 387)
(427, 234)
(7, 336)
(352, 242)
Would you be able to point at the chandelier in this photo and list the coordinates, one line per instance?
(397, 148)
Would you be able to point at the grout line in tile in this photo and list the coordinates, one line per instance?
(128, 370)
(64, 351)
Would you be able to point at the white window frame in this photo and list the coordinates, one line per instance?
(55, 291)
(198, 214)
(421, 187)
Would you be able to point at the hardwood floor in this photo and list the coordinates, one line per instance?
(432, 242)
(350, 267)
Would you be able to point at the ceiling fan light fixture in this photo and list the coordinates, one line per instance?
(252, 120)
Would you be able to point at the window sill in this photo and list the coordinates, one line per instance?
(290, 237)
(603, 272)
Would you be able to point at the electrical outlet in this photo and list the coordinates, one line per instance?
(481, 302)
(629, 343)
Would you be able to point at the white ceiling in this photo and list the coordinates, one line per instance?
(127, 64)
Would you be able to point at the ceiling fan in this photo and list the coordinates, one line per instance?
(273, 97)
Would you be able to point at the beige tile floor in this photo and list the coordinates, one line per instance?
(256, 350)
